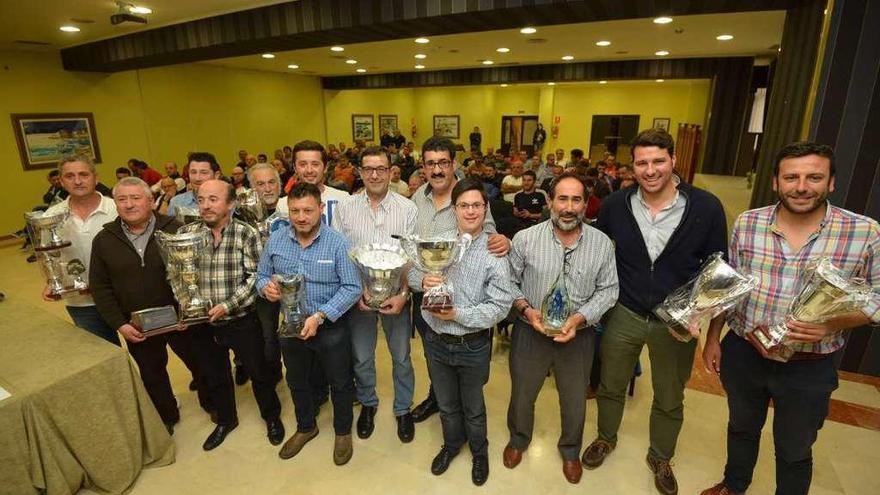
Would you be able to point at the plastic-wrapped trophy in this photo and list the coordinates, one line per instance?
(293, 313)
(717, 288)
(381, 267)
(250, 209)
(824, 293)
(64, 272)
(183, 254)
(434, 256)
(556, 306)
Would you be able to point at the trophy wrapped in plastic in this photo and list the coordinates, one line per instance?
(434, 256)
(63, 270)
(187, 214)
(293, 313)
(717, 288)
(250, 209)
(381, 267)
(183, 253)
(824, 292)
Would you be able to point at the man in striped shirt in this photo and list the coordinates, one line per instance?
(775, 244)
(585, 256)
(374, 216)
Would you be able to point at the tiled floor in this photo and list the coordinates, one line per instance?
(844, 455)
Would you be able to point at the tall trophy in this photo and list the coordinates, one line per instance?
(556, 306)
(434, 256)
(380, 266)
(824, 293)
(250, 209)
(182, 253)
(292, 288)
(63, 270)
(717, 288)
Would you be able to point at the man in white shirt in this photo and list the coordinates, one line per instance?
(512, 183)
(397, 185)
(89, 211)
(311, 167)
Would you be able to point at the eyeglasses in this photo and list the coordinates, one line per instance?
(444, 164)
(470, 206)
(374, 170)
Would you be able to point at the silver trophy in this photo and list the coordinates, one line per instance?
(63, 271)
(183, 253)
(381, 267)
(434, 256)
(250, 209)
(293, 312)
(825, 293)
(187, 214)
(717, 288)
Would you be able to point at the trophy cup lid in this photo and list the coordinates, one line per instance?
(379, 256)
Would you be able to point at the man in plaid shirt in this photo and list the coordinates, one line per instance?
(775, 244)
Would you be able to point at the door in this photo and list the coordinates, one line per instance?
(516, 133)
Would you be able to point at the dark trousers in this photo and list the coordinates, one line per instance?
(151, 356)
(531, 357)
(212, 344)
(800, 391)
(421, 327)
(267, 312)
(328, 354)
(88, 318)
(458, 372)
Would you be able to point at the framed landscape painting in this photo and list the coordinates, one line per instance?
(446, 126)
(362, 127)
(44, 138)
(387, 123)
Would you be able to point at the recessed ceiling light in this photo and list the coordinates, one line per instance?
(420, 56)
(337, 49)
(504, 85)
(361, 70)
(528, 30)
(502, 50)
(351, 61)
(568, 57)
(488, 62)
(422, 40)
(139, 10)
(420, 66)
(724, 37)
(603, 82)
(658, 80)
(661, 53)
(662, 20)
(69, 29)
(603, 43)
(268, 55)
(293, 66)
(551, 84)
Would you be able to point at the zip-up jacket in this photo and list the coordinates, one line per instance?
(119, 281)
(644, 284)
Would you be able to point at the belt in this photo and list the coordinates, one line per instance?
(807, 356)
(461, 339)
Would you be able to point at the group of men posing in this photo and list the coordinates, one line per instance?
(649, 239)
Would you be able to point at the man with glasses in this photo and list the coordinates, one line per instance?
(585, 257)
(378, 215)
(435, 217)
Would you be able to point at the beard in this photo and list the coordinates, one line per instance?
(818, 202)
(567, 223)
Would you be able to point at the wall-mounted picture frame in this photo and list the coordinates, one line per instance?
(662, 123)
(447, 126)
(363, 127)
(387, 123)
(44, 138)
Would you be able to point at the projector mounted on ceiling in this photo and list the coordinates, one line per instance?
(125, 15)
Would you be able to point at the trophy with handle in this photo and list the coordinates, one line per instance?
(183, 253)
(250, 209)
(381, 267)
(293, 313)
(434, 256)
(63, 270)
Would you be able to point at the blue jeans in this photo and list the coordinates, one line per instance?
(459, 371)
(363, 346)
(88, 318)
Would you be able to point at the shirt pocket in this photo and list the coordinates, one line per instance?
(322, 271)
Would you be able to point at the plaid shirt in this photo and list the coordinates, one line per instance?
(229, 271)
(757, 247)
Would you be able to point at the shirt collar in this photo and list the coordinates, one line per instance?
(822, 224)
(150, 226)
(292, 233)
(672, 203)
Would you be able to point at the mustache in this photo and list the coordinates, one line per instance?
(438, 175)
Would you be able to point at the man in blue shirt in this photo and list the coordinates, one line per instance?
(332, 287)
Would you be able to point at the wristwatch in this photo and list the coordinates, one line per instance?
(320, 316)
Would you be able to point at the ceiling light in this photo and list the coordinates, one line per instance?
(663, 20)
(724, 37)
(420, 56)
(551, 84)
(422, 40)
(139, 10)
(293, 66)
(603, 82)
(488, 62)
(268, 55)
(603, 43)
(351, 61)
(337, 49)
(658, 80)
(420, 66)
(361, 70)
(661, 53)
(568, 57)
(502, 50)
(504, 85)
(528, 30)
(69, 29)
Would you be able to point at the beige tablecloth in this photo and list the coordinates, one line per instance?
(78, 417)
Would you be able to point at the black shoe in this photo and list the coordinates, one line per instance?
(192, 385)
(241, 376)
(32, 258)
(218, 435)
(480, 470)
(406, 429)
(441, 461)
(366, 423)
(275, 431)
(425, 410)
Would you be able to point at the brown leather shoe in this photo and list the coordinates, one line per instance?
(512, 457)
(720, 489)
(293, 445)
(664, 479)
(596, 453)
(572, 471)
(342, 449)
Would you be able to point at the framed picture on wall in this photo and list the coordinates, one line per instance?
(662, 123)
(363, 127)
(44, 138)
(446, 126)
(387, 123)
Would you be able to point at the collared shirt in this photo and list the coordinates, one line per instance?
(81, 233)
(537, 256)
(433, 222)
(759, 248)
(183, 200)
(482, 291)
(356, 219)
(140, 241)
(229, 270)
(657, 229)
(332, 282)
(400, 187)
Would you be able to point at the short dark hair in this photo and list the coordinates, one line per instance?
(562, 177)
(438, 144)
(530, 173)
(137, 163)
(804, 148)
(303, 189)
(204, 156)
(577, 152)
(122, 170)
(375, 151)
(56, 172)
(309, 145)
(466, 185)
(592, 172)
(654, 137)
